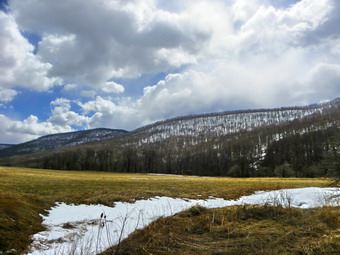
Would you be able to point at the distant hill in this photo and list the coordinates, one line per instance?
(293, 141)
(216, 124)
(4, 146)
(60, 140)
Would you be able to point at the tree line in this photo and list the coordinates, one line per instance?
(308, 147)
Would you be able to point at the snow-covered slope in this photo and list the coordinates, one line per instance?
(55, 141)
(198, 128)
(226, 122)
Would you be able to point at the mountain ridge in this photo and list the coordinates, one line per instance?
(237, 143)
(4, 146)
(138, 130)
(55, 141)
(226, 123)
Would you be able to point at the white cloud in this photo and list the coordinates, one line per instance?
(19, 67)
(13, 131)
(88, 93)
(264, 62)
(32, 126)
(62, 120)
(112, 87)
(63, 116)
(334, 46)
(105, 113)
(230, 55)
(326, 76)
(104, 39)
(69, 87)
(6, 95)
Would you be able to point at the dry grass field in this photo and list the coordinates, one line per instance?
(250, 230)
(26, 193)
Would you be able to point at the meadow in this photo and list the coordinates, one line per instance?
(26, 193)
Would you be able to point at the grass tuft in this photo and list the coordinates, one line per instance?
(240, 230)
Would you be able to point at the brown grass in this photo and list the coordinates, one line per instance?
(26, 193)
(257, 230)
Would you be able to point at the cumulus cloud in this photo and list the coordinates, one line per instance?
(62, 119)
(63, 116)
(265, 61)
(127, 38)
(88, 93)
(19, 67)
(32, 126)
(103, 112)
(112, 87)
(6, 95)
(228, 55)
(70, 86)
(13, 131)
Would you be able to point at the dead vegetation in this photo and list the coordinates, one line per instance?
(256, 230)
(26, 193)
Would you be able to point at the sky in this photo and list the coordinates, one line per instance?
(71, 64)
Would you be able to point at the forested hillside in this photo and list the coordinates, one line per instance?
(4, 146)
(302, 142)
(50, 142)
(224, 123)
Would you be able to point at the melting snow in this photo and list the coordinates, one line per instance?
(79, 229)
(222, 123)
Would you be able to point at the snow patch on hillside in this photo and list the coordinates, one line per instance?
(222, 123)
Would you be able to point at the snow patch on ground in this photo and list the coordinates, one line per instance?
(90, 229)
